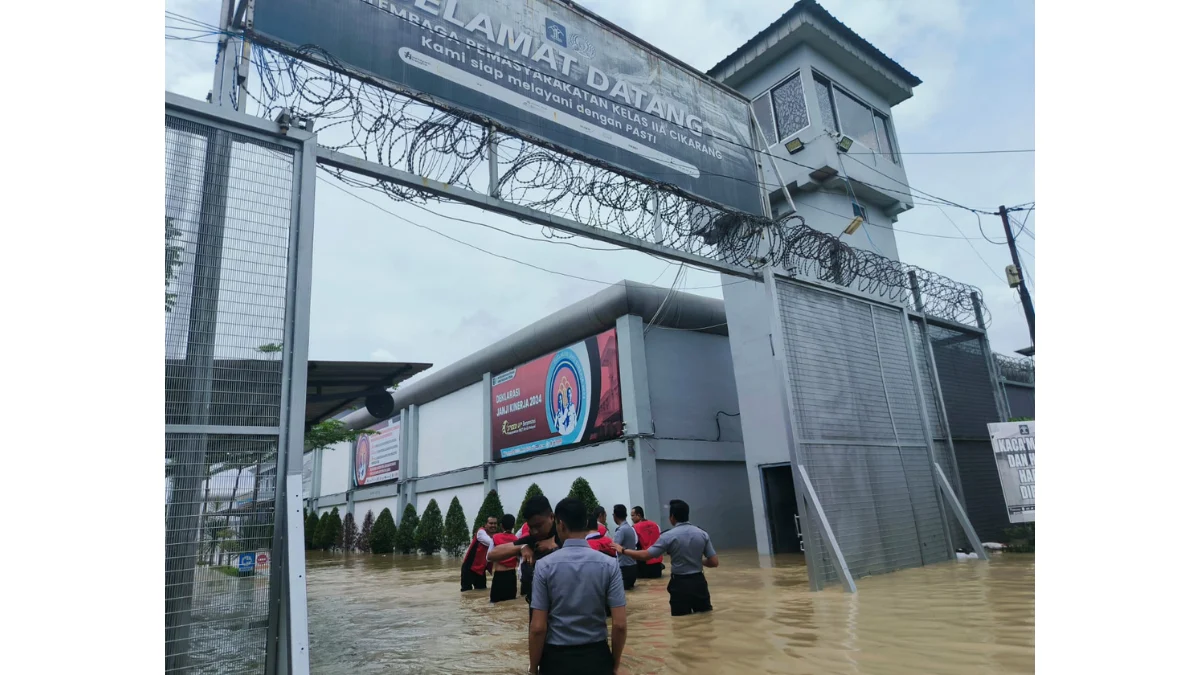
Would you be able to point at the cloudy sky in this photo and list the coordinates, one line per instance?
(386, 290)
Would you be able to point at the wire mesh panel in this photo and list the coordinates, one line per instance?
(230, 217)
(858, 424)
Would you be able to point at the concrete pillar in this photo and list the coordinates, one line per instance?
(489, 466)
(639, 424)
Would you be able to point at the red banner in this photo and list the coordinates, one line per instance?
(569, 397)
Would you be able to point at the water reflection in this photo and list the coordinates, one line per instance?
(404, 614)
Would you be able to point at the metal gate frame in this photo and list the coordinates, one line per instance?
(812, 514)
(287, 630)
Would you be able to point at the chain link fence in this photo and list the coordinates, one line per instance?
(230, 221)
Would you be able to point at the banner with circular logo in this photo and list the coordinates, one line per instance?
(569, 397)
(377, 456)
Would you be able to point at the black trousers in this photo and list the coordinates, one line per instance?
(629, 574)
(471, 580)
(504, 586)
(647, 571)
(589, 659)
(689, 593)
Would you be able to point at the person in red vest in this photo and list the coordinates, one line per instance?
(504, 572)
(475, 564)
(647, 534)
(597, 539)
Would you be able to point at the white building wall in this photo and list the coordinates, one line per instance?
(610, 483)
(450, 432)
(375, 506)
(470, 496)
(335, 469)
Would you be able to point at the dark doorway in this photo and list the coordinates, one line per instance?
(782, 514)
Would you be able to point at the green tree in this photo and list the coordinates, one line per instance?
(583, 492)
(349, 533)
(383, 533)
(533, 491)
(330, 432)
(429, 531)
(310, 529)
(363, 542)
(321, 536)
(491, 508)
(406, 534)
(455, 537)
(333, 533)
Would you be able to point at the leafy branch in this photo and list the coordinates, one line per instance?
(330, 433)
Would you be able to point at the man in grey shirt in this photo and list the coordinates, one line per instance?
(625, 536)
(571, 589)
(691, 551)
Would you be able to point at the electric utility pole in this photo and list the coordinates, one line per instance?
(1026, 301)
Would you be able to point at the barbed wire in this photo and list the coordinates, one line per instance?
(1014, 369)
(408, 133)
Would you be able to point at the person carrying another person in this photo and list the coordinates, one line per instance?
(691, 551)
(647, 534)
(538, 542)
(597, 539)
(504, 572)
(625, 535)
(475, 563)
(568, 633)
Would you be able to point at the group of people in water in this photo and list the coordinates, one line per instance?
(574, 570)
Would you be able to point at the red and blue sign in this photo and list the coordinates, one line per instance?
(569, 397)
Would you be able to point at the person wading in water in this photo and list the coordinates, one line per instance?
(504, 572)
(475, 564)
(691, 551)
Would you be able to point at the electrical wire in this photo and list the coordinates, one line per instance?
(973, 249)
(459, 241)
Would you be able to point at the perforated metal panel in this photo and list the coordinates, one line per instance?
(859, 431)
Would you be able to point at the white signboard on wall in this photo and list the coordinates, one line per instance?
(1012, 443)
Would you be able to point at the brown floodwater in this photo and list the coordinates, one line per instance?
(405, 614)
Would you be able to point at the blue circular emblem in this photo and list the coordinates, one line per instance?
(566, 397)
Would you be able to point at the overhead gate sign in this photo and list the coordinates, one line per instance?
(547, 70)
(1012, 443)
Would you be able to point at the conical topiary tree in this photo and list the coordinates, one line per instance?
(532, 492)
(429, 531)
(406, 533)
(383, 533)
(349, 532)
(583, 492)
(363, 542)
(455, 537)
(310, 529)
(321, 536)
(333, 534)
(491, 508)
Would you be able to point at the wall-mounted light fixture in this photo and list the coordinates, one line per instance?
(854, 225)
(845, 143)
(795, 145)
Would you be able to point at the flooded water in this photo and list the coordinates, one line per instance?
(404, 614)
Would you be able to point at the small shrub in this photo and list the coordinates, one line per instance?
(1020, 538)
(455, 537)
(429, 531)
(333, 533)
(406, 533)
